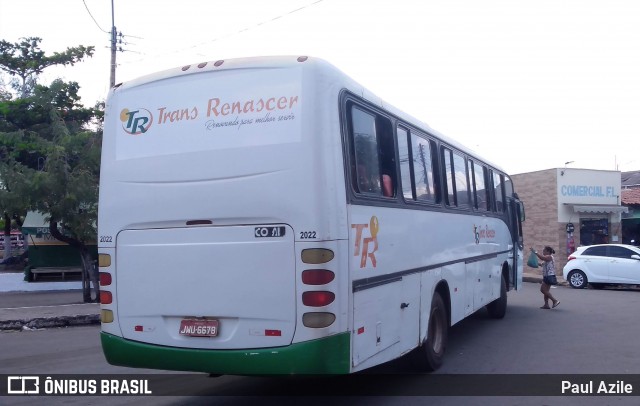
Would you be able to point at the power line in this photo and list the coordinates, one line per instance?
(91, 15)
(241, 31)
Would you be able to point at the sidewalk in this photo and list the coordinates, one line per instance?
(33, 305)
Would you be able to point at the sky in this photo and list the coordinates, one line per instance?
(528, 85)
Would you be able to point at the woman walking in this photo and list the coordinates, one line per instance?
(548, 270)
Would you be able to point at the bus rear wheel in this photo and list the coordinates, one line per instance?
(498, 308)
(430, 355)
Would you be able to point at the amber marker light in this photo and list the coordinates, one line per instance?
(317, 255)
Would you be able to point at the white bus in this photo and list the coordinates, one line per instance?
(271, 216)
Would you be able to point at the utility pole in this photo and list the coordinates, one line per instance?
(424, 170)
(112, 80)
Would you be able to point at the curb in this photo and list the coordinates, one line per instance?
(49, 322)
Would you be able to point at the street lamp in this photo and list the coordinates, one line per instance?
(565, 167)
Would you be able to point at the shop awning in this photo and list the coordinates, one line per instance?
(599, 208)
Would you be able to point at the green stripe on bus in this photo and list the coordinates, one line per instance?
(323, 356)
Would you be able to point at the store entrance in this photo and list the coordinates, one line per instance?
(631, 231)
(594, 231)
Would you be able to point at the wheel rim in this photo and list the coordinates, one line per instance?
(576, 279)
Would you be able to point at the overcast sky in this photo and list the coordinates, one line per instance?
(529, 85)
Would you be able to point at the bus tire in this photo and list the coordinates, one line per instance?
(498, 308)
(430, 355)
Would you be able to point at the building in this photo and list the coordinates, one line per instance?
(568, 207)
(44, 250)
(630, 180)
(631, 199)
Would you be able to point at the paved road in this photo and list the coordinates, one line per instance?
(592, 332)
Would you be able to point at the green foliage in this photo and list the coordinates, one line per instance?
(49, 143)
(67, 189)
(26, 60)
(34, 113)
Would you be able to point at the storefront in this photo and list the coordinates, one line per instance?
(631, 220)
(44, 249)
(567, 207)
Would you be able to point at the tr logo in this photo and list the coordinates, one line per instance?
(374, 227)
(136, 122)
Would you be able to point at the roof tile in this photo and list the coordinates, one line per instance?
(630, 196)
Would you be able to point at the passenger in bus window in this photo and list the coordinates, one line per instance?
(387, 185)
(367, 183)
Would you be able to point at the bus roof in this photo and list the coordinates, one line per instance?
(286, 61)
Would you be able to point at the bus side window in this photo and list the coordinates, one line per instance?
(461, 180)
(405, 164)
(387, 151)
(449, 195)
(480, 188)
(417, 169)
(456, 179)
(374, 151)
(499, 192)
(423, 169)
(365, 144)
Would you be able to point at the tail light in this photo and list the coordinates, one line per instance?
(105, 279)
(318, 299)
(317, 276)
(105, 297)
(570, 258)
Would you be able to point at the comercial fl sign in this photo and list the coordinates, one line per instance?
(587, 191)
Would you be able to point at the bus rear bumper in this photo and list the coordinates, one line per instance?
(323, 356)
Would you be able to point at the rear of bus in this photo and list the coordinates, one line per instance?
(222, 222)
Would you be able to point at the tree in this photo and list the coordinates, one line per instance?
(26, 60)
(12, 199)
(68, 191)
(54, 170)
(50, 150)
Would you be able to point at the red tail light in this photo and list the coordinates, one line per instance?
(318, 299)
(317, 277)
(105, 297)
(105, 279)
(570, 258)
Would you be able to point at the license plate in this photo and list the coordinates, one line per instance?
(199, 328)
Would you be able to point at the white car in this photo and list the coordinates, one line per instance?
(603, 264)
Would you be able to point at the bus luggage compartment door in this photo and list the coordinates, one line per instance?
(207, 287)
